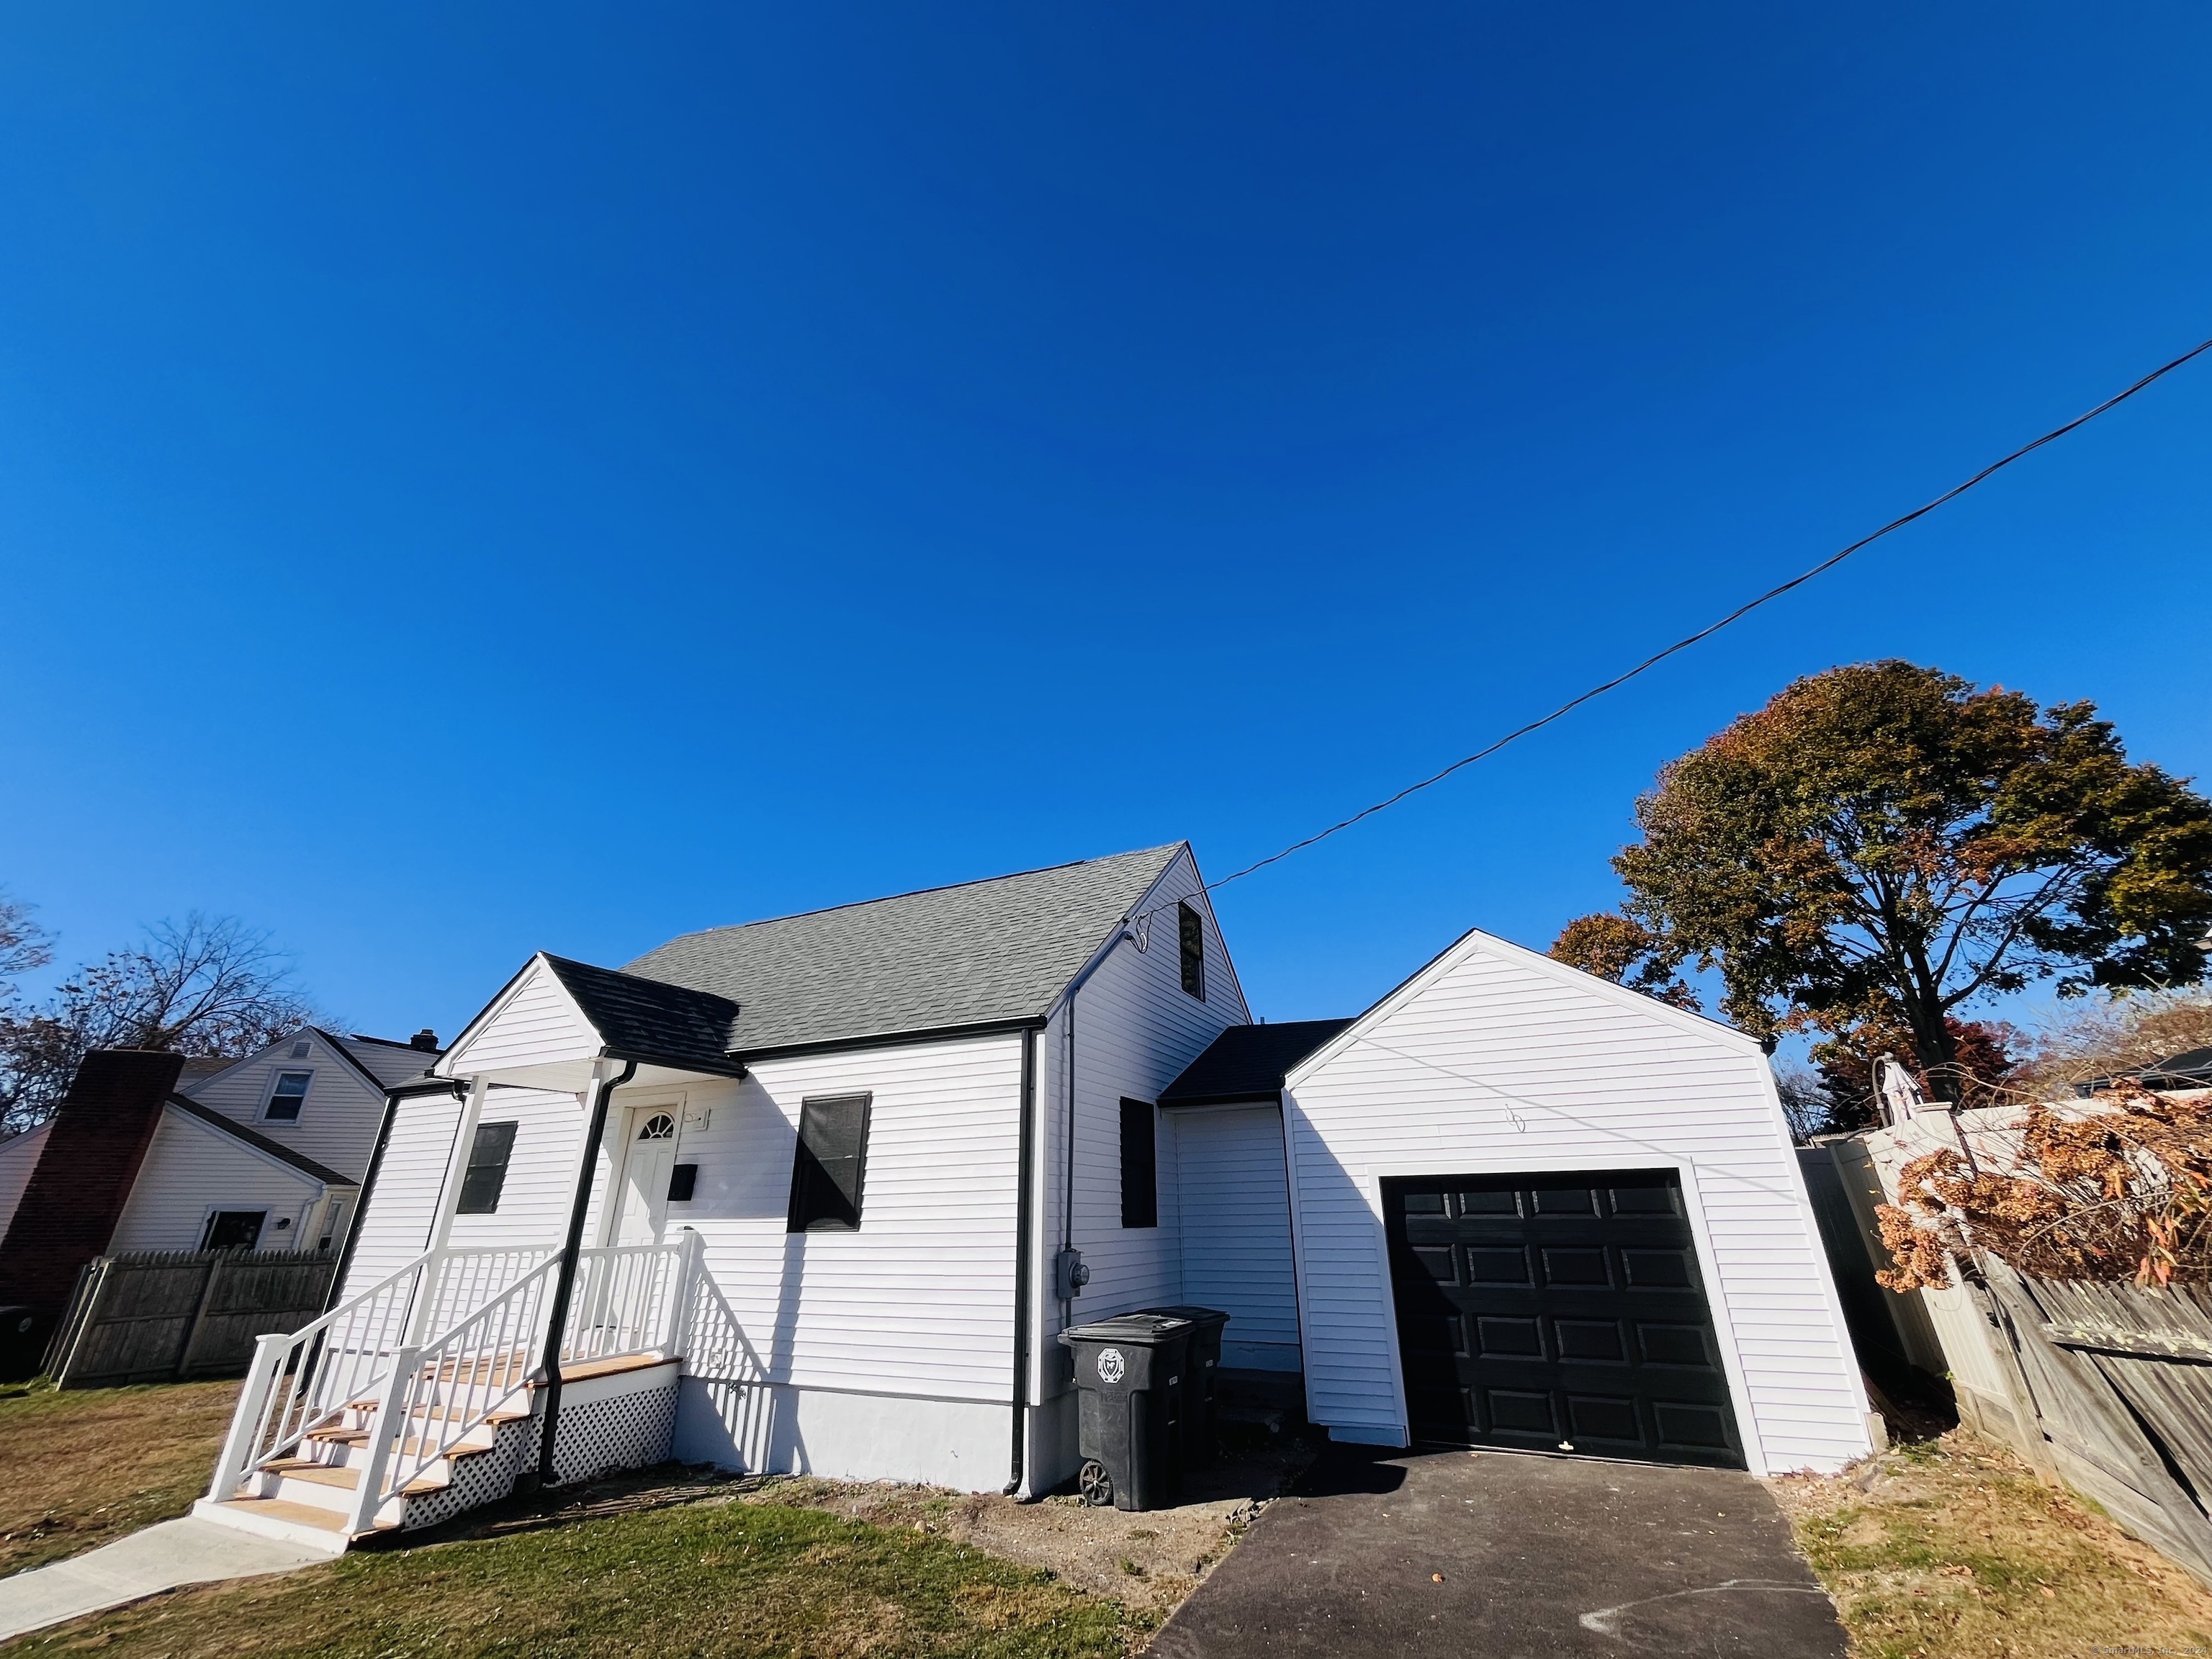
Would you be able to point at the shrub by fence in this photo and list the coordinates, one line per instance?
(168, 1316)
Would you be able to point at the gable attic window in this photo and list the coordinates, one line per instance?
(488, 1155)
(827, 1170)
(1191, 933)
(1140, 1176)
(286, 1096)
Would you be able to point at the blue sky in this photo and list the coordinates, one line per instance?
(482, 479)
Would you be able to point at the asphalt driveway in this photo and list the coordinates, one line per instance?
(1510, 1557)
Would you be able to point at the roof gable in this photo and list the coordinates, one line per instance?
(1475, 942)
(980, 953)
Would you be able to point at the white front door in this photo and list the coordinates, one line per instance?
(646, 1171)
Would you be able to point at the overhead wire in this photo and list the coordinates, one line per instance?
(1707, 632)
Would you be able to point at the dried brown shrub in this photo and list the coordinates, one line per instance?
(2123, 1191)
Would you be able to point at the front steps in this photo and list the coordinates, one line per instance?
(614, 1413)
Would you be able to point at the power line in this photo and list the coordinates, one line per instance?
(1740, 611)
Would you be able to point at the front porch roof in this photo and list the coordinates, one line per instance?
(557, 1016)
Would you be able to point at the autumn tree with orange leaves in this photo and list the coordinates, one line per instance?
(1884, 844)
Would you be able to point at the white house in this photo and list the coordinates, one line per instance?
(265, 1152)
(818, 1193)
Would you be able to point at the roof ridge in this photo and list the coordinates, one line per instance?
(917, 892)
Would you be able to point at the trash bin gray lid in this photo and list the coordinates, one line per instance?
(1139, 1328)
(1192, 1312)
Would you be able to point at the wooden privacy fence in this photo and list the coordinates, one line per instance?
(164, 1316)
(2113, 1384)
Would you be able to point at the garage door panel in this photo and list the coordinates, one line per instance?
(1572, 1314)
(1590, 1340)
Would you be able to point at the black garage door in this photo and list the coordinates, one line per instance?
(1558, 1313)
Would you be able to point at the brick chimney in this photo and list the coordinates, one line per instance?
(90, 1162)
(426, 1040)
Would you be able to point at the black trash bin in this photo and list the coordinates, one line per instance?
(1200, 1422)
(1129, 1375)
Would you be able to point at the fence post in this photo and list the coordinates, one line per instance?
(91, 1307)
(237, 1445)
(199, 1316)
(383, 1433)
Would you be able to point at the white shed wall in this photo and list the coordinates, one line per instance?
(192, 1169)
(1496, 1061)
(1237, 1230)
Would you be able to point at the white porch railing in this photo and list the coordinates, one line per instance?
(485, 1313)
(626, 1301)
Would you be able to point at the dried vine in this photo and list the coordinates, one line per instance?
(2120, 1191)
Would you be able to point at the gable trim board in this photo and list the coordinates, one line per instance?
(1495, 1061)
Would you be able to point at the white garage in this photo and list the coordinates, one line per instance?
(1531, 1210)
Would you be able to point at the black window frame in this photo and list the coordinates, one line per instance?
(491, 1153)
(215, 1217)
(1190, 942)
(269, 1112)
(820, 1201)
(1140, 1164)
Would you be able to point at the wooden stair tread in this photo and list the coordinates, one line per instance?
(279, 1508)
(583, 1369)
(320, 1474)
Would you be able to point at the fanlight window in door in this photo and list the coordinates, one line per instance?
(660, 1126)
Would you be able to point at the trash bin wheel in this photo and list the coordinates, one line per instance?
(1096, 1485)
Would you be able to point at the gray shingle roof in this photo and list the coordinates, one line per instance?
(975, 954)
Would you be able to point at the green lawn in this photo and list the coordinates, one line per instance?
(715, 1576)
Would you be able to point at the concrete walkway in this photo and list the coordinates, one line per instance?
(1515, 1556)
(162, 1558)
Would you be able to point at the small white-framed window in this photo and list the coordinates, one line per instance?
(286, 1096)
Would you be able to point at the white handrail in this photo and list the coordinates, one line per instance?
(446, 1389)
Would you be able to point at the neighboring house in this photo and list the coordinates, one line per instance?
(265, 1152)
(818, 1194)
(2177, 1074)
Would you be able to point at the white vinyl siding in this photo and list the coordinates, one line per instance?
(1136, 1029)
(191, 1169)
(18, 1158)
(536, 1024)
(920, 1300)
(541, 1172)
(394, 1228)
(336, 1125)
(1237, 1230)
(1497, 1062)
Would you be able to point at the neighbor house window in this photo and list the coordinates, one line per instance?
(486, 1176)
(1191, 932)
(287, 1097)
(1140, 1182)
(234, 1229)
(832, 1158)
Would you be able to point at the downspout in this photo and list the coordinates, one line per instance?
(564, 1281)
(1025, 1221)
(367, 1191)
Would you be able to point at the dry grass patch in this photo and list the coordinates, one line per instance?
(709, 1575)
(1952, 1549)
(83, 1467)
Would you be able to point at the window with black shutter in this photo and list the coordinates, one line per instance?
(832, 1157)
(1140, 1184)
(487, 1174)
(1191, 933)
